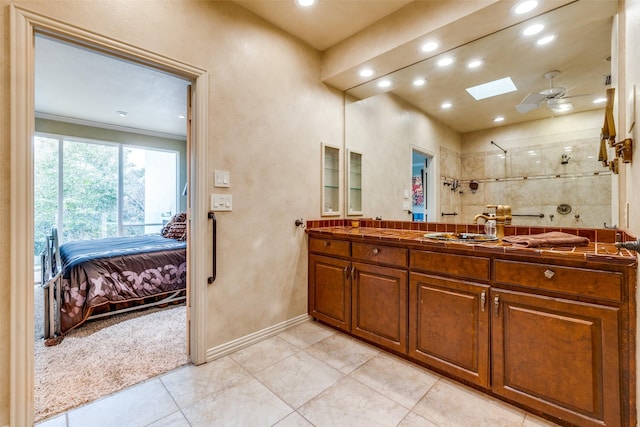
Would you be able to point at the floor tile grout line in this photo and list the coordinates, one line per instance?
(174, 400)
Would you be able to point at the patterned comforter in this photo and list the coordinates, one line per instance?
(98, 273)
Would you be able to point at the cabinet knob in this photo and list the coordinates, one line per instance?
(549, 274)
(376, 251)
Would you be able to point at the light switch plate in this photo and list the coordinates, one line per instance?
(221, 178)
(221, 202)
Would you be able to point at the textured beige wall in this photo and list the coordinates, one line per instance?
(385, 129)
(268, 113)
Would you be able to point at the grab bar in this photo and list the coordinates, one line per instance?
(449, 214)
(212, 216)
(530, 215)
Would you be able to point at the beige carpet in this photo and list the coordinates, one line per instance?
(104, 356)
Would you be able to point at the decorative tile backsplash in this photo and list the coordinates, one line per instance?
(534, 180)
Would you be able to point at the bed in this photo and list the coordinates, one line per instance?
(86, 279)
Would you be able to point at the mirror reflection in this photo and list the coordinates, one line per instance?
(432, 151)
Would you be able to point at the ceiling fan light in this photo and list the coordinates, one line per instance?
(562, 108)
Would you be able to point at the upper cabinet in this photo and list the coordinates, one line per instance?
(331, 181)
(354, 183)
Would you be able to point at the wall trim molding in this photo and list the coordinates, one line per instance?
(242, 342)
(24, 25)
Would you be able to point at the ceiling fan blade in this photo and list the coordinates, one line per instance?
(530, 102)
(525, 108)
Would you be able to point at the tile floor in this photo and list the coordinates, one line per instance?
(309, 375)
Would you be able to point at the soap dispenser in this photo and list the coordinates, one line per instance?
(490, 227)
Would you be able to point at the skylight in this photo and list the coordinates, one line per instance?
(494, 88)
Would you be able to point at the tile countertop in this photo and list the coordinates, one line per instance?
(594, 252)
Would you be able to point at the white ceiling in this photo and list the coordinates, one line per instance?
(84, 85)
(326, 23)
(80, 85)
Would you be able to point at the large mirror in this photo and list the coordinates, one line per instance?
(431, 151)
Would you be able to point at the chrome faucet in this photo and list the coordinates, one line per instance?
(502, 217)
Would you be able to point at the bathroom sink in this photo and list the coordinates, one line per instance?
(461, 237)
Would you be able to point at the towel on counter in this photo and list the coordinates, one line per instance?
(552, 238)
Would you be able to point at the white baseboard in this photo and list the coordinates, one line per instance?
(240, 343)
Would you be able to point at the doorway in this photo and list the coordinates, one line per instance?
(25, 26)
(421, 193)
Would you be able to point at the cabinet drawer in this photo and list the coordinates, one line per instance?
(380, 254)
(330, 246)
(566, 280)
(469, 267)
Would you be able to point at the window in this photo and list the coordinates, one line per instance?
(92, 189)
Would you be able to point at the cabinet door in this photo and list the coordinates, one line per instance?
(449, 326)
(379, 305)
(330, 290)
(558, 356)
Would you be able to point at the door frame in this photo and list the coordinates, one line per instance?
(431, 198)
(24, 24)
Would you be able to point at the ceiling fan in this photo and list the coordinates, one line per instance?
(550, 96)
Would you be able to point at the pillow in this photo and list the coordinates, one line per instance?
(176, 228)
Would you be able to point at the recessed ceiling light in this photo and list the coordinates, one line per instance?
(384, 83)
(600, 100)
(474, 63)
(122, 113)
(525, 6)
(532, 29)
(305, 3)
(446, 105)
(366, 72)
(494, 88)
(419, 82)
(445, 61)
(430, 46)
(499, 119)
(546, 40)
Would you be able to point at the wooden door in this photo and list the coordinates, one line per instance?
(558, 356)
(379, 305)
(330, 290)
(449, 326)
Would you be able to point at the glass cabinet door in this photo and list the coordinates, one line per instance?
(354, 182)
(331, 188)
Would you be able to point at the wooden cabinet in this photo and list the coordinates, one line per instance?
(449, 326)
(330, 290)
(379, 305)
(557, 356)
(551, 334)
(367, 297)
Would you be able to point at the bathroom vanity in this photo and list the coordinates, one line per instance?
(549, 329)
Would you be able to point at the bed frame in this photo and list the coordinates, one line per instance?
(52, 282)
